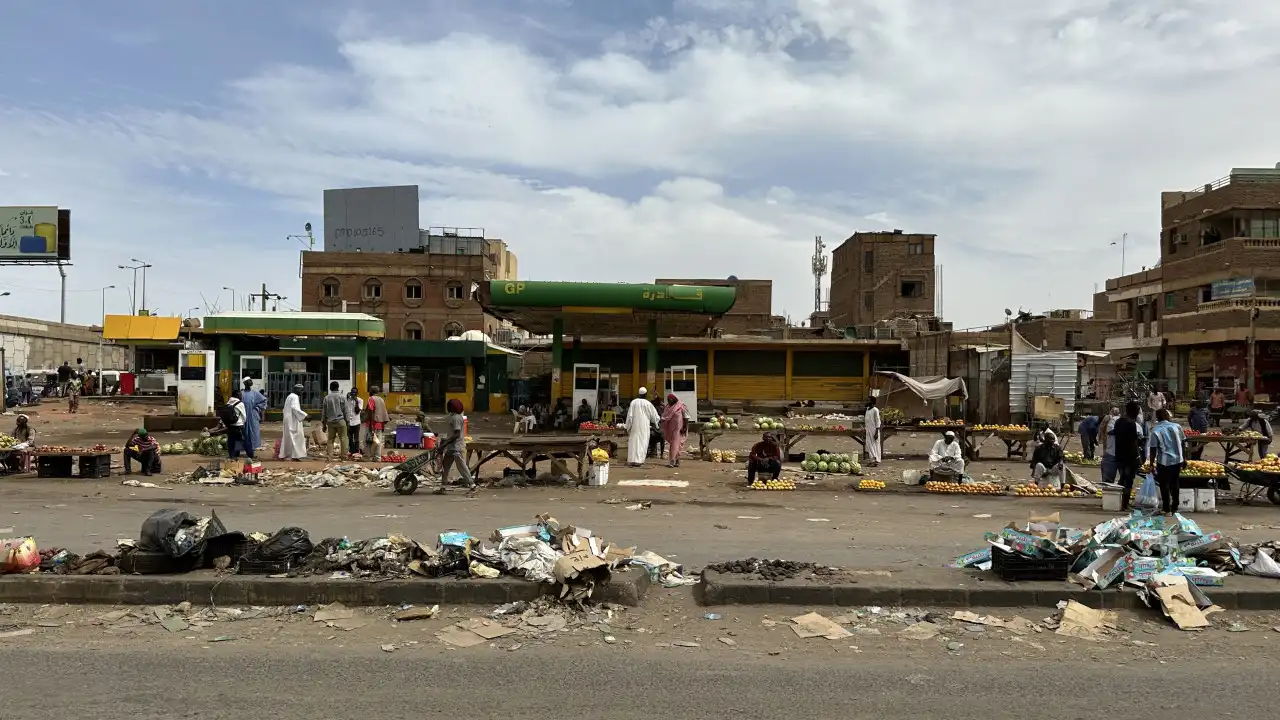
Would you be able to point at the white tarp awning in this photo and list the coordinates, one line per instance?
(934, 388)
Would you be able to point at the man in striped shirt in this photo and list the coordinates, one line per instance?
(1167, 439)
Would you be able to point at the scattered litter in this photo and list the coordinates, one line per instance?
(920, 631)
(983, 515)
(1237, 627)
(818, 519)
(685, 644)
(712, 616)
(815, 625)
(955, 646)
(654, 483)
(17, 633)
(333, 611)
(458, 637)
(416, 613)
(1081, 621)
(222, 638)
(388, 648)
(609, 639)
(174, 624)
(728, 641)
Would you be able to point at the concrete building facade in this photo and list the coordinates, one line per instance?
(876, 276)
(31, 344)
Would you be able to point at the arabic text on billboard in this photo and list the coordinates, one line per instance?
(1233, 288)
(28, 232)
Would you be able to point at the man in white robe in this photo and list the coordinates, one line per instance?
(293, 445)
(871, 421)
(641, 417)
(946, 455)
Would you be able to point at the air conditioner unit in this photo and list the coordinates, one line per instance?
(1142, 301)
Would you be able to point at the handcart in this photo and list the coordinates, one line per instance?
(406, 479)
(1253, 483)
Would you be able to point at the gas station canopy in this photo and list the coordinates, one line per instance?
(609, 309)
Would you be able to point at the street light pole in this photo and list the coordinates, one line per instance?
(233, 297)
(101, 334)
(144, 267)
(133, 289)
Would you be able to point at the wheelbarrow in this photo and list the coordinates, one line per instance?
(406, 479)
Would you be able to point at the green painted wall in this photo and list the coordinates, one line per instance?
(679, 298)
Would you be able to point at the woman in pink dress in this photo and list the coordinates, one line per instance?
(675, 428)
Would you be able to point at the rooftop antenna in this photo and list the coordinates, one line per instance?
(819, 266)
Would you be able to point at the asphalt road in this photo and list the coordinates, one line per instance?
(139, 682)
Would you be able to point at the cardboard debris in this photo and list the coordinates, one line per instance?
(1082, 621)
(333, 611)
(975, 619)
(1180, 601)
(416, 613)
(814, 625)
(920, 631)
(486, 629)
(458, 637)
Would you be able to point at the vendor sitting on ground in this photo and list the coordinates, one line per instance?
(585, 413)
(766, 458)
(23, 432)
(1046, 461)
(946, 456)
(143, 448)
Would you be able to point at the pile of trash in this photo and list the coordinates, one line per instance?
(772, 570)
(332, 476)
(543, 551)
(1166, 559)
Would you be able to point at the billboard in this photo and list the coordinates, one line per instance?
(376, 219)
(1233, 288)
(33, 234)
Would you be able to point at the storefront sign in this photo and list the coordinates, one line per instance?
(1233, 288)
(1203, 358)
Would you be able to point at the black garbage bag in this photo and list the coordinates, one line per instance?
(178, 533)
(288, 542)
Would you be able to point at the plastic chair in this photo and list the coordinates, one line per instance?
(607, 417)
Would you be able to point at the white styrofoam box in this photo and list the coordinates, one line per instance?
(1111, 500)
(1186, 500)
(598, 475)
(1207, 500)
(855, 457)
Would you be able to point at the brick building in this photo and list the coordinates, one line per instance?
(1216, 289)
(419, 295)
(877, 276)
(1064, 330)
(752, 312)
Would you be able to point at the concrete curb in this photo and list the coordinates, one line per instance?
(964, 590)
(627, 587)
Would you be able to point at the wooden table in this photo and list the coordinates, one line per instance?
(526, 450)
(1234, 447)
(1015, 442)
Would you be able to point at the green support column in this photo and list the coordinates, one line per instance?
(362, 367)
(226, 367)
(557, 356)
(653, 358)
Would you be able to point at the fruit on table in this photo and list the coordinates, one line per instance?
(942, 422)
(869, 484)
(1003, 428)
(892, 416)
(1203, 468)
(394, 458)
(721, 423)
(948, 488)
(7, 441)
(834, 463)
(1046, 491)
(773, 485)
(767, 423)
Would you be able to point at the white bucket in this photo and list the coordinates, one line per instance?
(1207, 500)
(1186, 500)
(598, 475)
(1111, 500)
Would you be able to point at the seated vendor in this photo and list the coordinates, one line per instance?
(585, 413)
(766, 458)
(23, 432)
(947, 455)
(1046, 461)
(143, 448)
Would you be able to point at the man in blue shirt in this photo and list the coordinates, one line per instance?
(1089, 435)
(1198, 420)
(1167, 439)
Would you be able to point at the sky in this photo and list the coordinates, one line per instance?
(623, 141)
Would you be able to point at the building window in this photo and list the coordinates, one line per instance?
(453, 291)
(911, 288)
(868, 301)
(456, 380)
(373, 289)
(413, 330)
(331, 288)
(1264, 227)
(1206, 293)
(451, 329)
(915, 247)
(1075, 339)
(413, 289)
(868, 261)
(406, 379)
(1168, 301)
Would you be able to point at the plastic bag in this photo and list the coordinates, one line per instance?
(1264, 565)
(161, 526)
(19, 555)
(288, 542)
(1148, 494)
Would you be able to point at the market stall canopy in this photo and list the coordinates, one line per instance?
(138, 328)
(931, 388)
(609, 309)
(295, 324)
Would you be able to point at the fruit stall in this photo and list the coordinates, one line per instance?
(526, 450)
(58, 461)
(1016, 439)
(1235, 446)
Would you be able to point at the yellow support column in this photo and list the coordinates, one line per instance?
(788, 383)
(711, 375)
(636, 382)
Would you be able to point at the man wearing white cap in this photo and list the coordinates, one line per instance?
(641, 417)
(946, 455)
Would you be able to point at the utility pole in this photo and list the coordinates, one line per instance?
(144, 267)
(265, 296)
(62, 313)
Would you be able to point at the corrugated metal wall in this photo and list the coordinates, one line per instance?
(1050, 373)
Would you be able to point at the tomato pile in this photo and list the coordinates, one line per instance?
(394, 458)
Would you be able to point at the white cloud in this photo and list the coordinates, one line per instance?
(1026, 135)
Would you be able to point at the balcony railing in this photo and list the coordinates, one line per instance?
(1229, 305)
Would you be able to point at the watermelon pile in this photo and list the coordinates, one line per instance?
(831, 463)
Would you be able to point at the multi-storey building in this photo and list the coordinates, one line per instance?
(423, 294)
(878, 276)
(1214, 301)
(752, 312)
